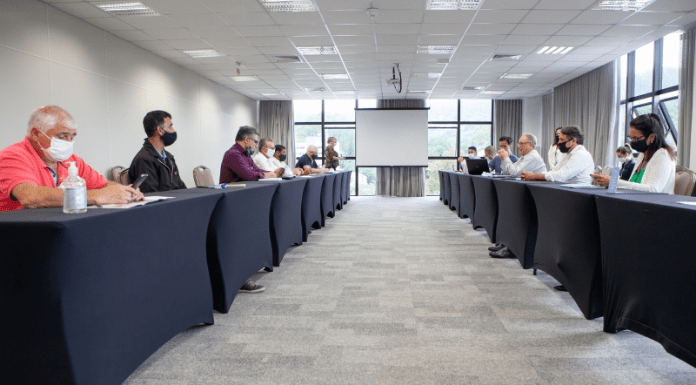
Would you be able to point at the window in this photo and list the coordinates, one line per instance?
(453, 126)
(650, 84)
(317, 120)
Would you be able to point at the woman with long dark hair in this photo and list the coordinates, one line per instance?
(555, 155)
(625, 156)
(655, 167)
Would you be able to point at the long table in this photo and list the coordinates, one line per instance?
(636, 272)
(87, 298)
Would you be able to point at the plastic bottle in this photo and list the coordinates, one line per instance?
(74, 192)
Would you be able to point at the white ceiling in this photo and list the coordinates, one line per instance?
(368, 47)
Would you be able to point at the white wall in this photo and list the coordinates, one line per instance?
(532, 120)
(108, 85)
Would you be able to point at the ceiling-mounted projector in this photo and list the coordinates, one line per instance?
(394, 81)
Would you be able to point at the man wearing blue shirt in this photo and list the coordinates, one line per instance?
(307, 161)
(494, 164)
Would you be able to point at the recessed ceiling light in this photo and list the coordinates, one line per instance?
(203, 53)
(436, 49)
(334, 76)
(126, 8)
(287, 59)
(621, 5)
(418, 92)
(468, 88)
(492, 92)
(250, 78)
(289, 5)
(325, 50)
(271, 94)
(516, 76)
(319, 89)
(429, 75)
(450, 5)
(555, 50)
(506, 57)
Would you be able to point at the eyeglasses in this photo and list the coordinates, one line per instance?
(255, 141)
(634, 139)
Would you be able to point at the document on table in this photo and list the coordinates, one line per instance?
(580, 185)
(688, 203)
(270, 180)
(147, 200)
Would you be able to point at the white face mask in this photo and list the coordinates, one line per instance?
(622, 160)
(59, 150)
(270, 152)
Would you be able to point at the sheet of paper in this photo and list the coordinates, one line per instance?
(270, 180)
(580, 185)
(688, 203)
(147, 200)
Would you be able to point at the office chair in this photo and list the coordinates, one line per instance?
(684, 181)
(203, 177)
(120, 175)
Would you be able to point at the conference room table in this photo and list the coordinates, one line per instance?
(441, 176)
(467, 197)
(486, 205)
(311, 205)
(648, 268)
(447, 189)
(87, 298)
(338, 191)
(328, 209)
(454, 203)
(516, 226)
(239, 239)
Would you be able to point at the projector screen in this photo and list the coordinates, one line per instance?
(391, 137)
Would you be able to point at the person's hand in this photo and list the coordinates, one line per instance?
(279, 172)
(601, 179)
(502, 154)
(335, 158)
(269, 174)
(138, 196)
(296, 171)
(115, 193)
(460, 159)
(306, 170)
(528, 175)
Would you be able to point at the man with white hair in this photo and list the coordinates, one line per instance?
(32, 170)
(530, 159)
(262, 159)
(307, 161)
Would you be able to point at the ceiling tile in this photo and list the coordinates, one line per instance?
(150, 22)
(489, 40)
(397, 29)
(491, 29)
(651, 18)
(110, 24)
(214, 33)
(187, 44)
(296, 18)
(346, 17)
(304, 30)
(153, 45)
(398, 16)
(537, 29)
(397, 40)
(176, 7)
(250, 18)
(447, 17)
(549, 17)
(628, 30)
(503, 17)
(132, 36)
(82, 10)
(439, 40)
(354, 5)
(600, 17)
(508, 4)
(353, 40)
(568, 5)
(241, 6)
(311, 41)
(199, 20)
(672, 5)
(269, 41)
(176, 33)
(567, 41)
(582, 30)
(259, 31)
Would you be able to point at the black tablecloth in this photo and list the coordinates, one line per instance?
(441, 175)
(239, 240)
(517, 220)
(648, 265)
(345, 190)
(286, 216)
(567, 245)
(486, 211)
(86, 298)
(311, 205)
(467, 198)
(327, 207)
(454, 192)
(448, 190)
(338, 185)
(350, 178)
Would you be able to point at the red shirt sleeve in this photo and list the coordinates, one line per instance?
(93, 179)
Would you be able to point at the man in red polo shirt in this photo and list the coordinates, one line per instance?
(32, 170)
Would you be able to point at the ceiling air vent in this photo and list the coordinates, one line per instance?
(126, 8)
(506, 57)
(287, 59)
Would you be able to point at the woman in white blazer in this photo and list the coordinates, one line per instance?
(655, 167)
(555, 155)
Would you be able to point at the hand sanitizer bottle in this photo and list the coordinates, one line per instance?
(74, 192)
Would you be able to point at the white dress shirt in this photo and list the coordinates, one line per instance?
(278, 164)
(263, 162)
(531, 162)
(658, 175)
(575, 167)
(555, 156)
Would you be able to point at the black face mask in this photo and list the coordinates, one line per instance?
(283, 157)
(640, 145)
(563, 147)
(249, 151)
(169, 138)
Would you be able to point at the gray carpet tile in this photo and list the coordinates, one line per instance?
(401, 291)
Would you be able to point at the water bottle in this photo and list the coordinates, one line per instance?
(74, 192)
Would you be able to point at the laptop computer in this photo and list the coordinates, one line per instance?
(477, 166)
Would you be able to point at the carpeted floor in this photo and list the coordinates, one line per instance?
(401, 291)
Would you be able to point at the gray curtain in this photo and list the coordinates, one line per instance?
(400, 181)
(507, 121)
(276, 122)
(686, 98)
(547, 127)
(591, 102)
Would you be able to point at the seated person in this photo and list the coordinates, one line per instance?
(471, 154)
(655, 166)
(331, 154)
(153, 159)
(237, 163)
(625, 155)
(32, 170)
(530, 160)
(307, 162)
(278, 159)
(489, 153)
(577, 164)
(504, 143)
(263, 157)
